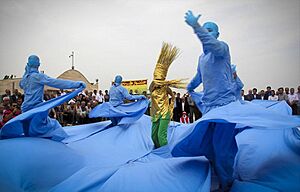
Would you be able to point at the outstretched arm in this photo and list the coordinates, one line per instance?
(59, 83)
(210, 43)
(129, 97)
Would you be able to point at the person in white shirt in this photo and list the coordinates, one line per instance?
(273, 97)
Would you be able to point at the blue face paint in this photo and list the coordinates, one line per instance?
(212, 29)
(118, 80)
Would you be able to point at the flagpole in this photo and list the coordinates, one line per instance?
(72, 59)
(72, 55)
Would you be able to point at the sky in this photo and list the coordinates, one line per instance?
(111, 37)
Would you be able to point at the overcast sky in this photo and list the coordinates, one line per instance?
(124, 37)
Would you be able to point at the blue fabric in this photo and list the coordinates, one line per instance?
(213, 131)
(268, 160)
(122, 157)
(113, 160)
(238, 86)
(214, 71)
(36, 121)
(117, 95)
(128, 113)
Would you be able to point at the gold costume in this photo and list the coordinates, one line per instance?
(161, 105)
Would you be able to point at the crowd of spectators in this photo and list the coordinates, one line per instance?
(75, 111)
(281, 94)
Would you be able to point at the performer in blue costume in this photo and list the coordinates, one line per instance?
(214, 71)
(33, 83)
(117, 96)
(117, 110)
(224, 113)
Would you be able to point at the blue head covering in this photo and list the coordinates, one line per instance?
(33, 61)
(212, 29)
(32, 65)
(118, 80)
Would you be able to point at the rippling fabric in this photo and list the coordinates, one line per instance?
(128, 112)
(117, 159)
(122, 158)
(262, 117)
(36, 121)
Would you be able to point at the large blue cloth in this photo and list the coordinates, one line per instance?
(122, 158)
(128, 113)
(36, 121)
(270, 118)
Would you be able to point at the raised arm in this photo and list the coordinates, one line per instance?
(208, 38)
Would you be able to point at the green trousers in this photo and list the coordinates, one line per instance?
(160, 131)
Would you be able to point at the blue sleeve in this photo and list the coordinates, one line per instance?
(127, 96)
(196, 81)
(238, 87)
(211, 44)
(239, 83)
(21, 84)
(57, 83)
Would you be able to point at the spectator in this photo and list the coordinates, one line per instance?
(192, 108)
(273, 96)
(249, 96)
(287, 90)
(100, 97)
(184, 118)
(267, 93)
(177, 108)
(281, 95)
(262, 94)
(186, 106)
(293, 100)
(1, 115)
(255, 95)
(242, 94)
(106, 96)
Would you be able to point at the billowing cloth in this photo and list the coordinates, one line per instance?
(36, 122)
(117, 95)
(267, 160)
(208, 138)
(129, 112)
(115, 159)
(214, 71)
(122, 158)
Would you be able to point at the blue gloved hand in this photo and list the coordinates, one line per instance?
(233, 68)
(191, 20)
(81, 84)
